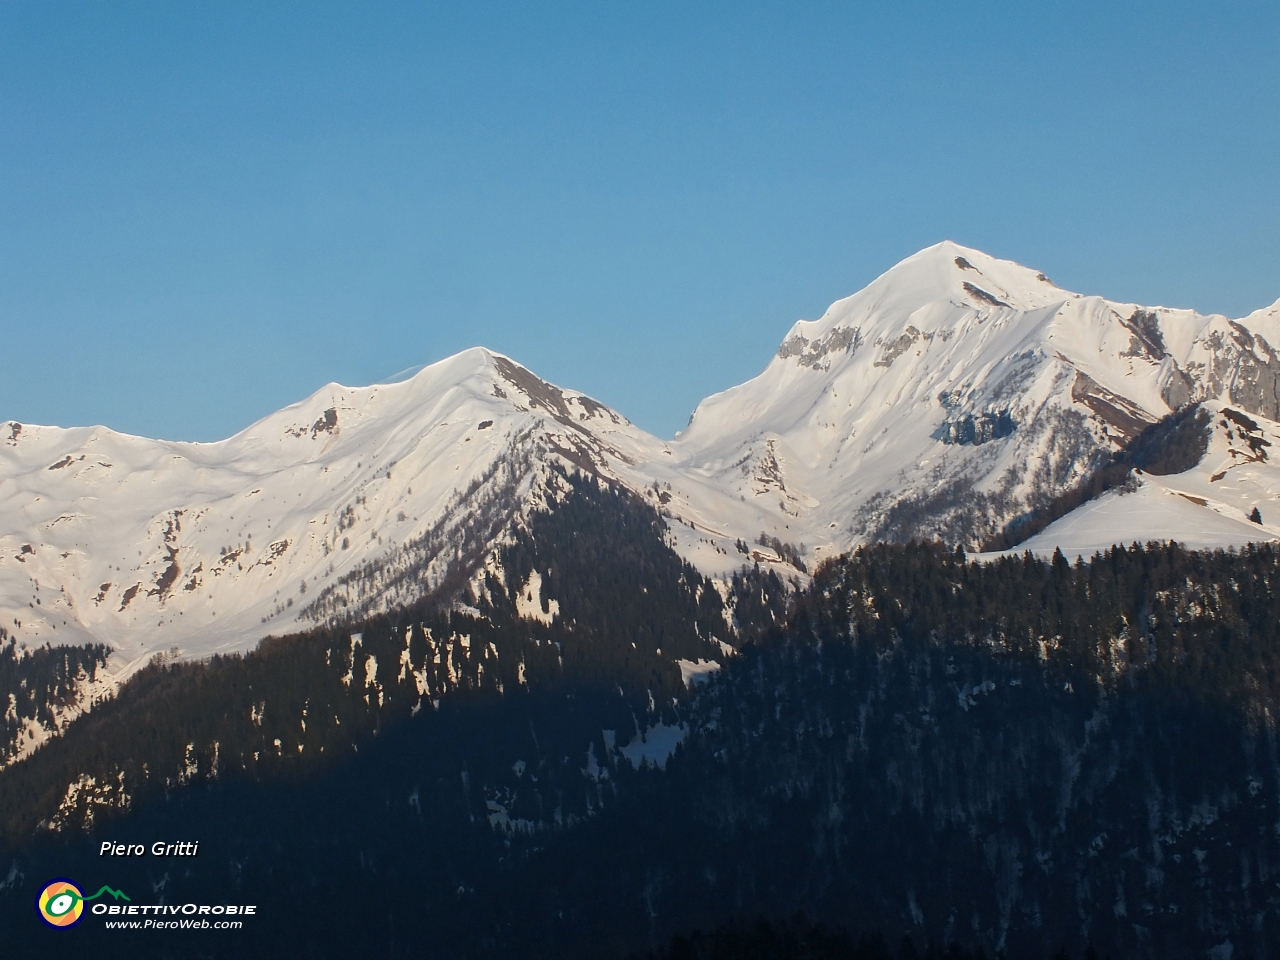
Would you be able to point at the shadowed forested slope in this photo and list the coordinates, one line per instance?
(1016, 757)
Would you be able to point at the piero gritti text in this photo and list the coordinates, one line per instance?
(161, 848)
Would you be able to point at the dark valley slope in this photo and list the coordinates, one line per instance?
(1016, 756)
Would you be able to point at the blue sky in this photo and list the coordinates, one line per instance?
(209, 211)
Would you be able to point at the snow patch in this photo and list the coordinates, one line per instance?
(654, 746)
(696, 671)
(529, 601)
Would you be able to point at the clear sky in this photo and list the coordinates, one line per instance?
(207, 211)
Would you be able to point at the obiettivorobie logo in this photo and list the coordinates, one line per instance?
(61, 904)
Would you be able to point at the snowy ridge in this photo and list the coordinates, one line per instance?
(951, 395)
(351, 501)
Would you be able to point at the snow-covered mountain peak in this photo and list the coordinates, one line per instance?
(333, 408)
(470, 387)
(930, 306)
(955, 391)
(949, 271)
(150, 544)
(943, 274)
(950, 396)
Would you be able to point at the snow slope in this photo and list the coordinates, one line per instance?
(1205, 508)
(947, 397)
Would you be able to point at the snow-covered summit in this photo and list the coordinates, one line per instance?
(150, 544)
(952, 394)
(945, 273)
(956, 391)
(935, 293)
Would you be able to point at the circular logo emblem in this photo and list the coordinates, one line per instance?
(60, 903)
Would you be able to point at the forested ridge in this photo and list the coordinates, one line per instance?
(628, 606)
(1043, 753)
(1015, 757)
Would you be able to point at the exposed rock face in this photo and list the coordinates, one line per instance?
(978, 429)
(1230, 362)
(1124, 417)
(1256, 381)
(1227, 361)
(982, 296)
(896, 347)
(1147, 338)
(815, 354)
(1178, 389)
